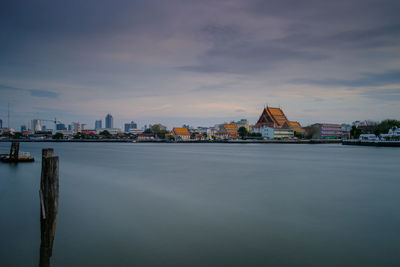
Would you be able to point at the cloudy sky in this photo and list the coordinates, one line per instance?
(199, 62)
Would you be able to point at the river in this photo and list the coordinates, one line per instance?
(207, 205)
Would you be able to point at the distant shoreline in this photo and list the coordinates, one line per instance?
(312, 141)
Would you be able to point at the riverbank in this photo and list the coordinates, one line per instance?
(314, 141)
(371, 143)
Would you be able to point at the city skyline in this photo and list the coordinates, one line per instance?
(199, 63)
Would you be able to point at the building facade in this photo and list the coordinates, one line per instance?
(276, 118)
(61, 127)
(267, 132)
(283, 133)
(324, 131)
(180, 134)
(36, 125)
(109, 121)
(98, 124)
(129, 126)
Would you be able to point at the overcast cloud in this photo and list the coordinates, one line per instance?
(199, 62)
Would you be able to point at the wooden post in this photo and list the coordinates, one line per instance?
(49, 190)
(14, 151)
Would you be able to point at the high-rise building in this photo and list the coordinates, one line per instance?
(109, 121)
(83, 126)
(60, 127)
(131, 125)
(76, 127)
(36, 125)
(97, 124)
(44, 128)
(1, 123)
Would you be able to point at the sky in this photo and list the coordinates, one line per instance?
(199, 62)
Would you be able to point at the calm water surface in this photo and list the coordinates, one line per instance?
(207, 205)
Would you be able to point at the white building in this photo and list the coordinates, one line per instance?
(110, 130)
(36, 125)
(267, 132)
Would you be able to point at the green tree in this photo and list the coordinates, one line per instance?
(148, 131)
(385, 126)
(105, 134)
(355, 132)
(298, 135)
(243, 132)
(17, 135)
(6, 134)
(58, 136)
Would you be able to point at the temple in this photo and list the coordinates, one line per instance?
(275, 118)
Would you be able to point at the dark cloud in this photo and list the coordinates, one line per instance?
(32, 92)
(43, 93)
(384, 36)
(94, 52)
(390, 95)
(233, 52)
(367, 79)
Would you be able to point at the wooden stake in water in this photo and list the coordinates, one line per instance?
(49, 190)
(14, 152)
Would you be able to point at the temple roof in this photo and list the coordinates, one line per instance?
(180, 131)
(272, 117)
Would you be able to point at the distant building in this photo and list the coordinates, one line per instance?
(243, 123)
(181, 134)
(295, 126)
(66, 133)
(83, 126)
(324, 131)
(267, 132)
(76, 127)
(109, 121)
(231, 129)
(275, 118)
(145, 137)
(98, 124)
(283, 133)
(1, 123)
(211, 131)
(346, 128)
(69, 127)
(135, 131)
(365, 126)
(36, 125)
(60, 127)
(112, 131)
(129, 126)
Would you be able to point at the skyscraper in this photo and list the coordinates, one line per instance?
(1, 123)
(109, 121)
(131, 125)
(36, 125)
(97, 124)
(60, 127)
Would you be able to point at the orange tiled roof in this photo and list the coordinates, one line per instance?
(230, 127)
(180, 131)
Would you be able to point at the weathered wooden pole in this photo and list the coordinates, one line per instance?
(49, 190)
(14, 152)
